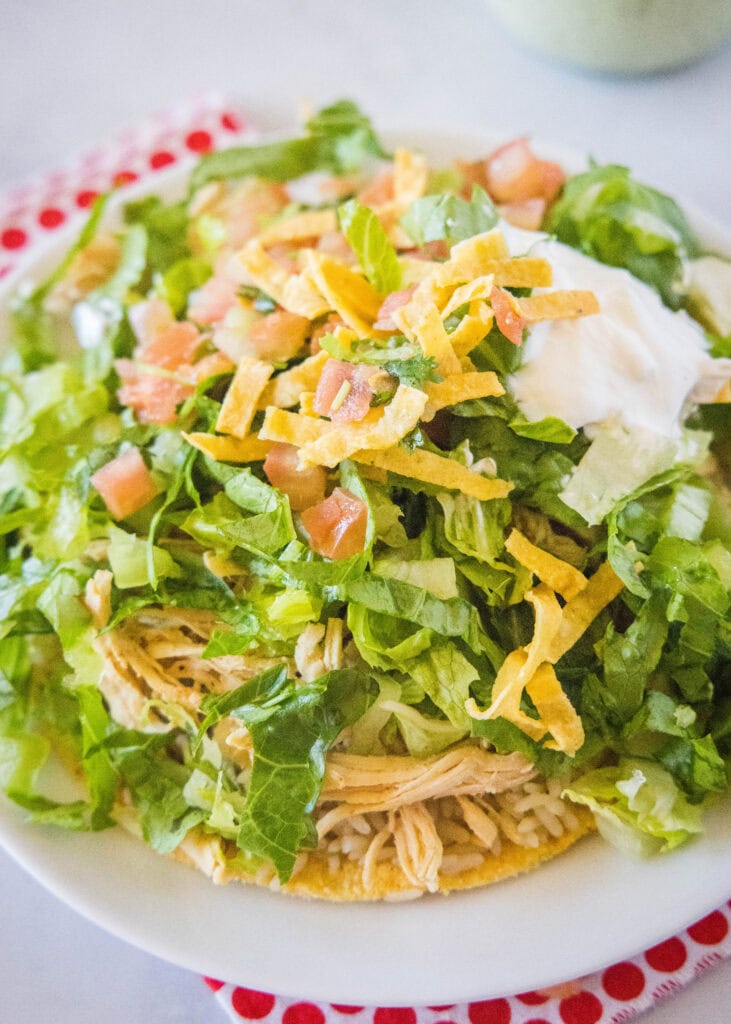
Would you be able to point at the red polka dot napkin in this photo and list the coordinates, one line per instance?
(36, 208)
(618, 994)
(31, 212)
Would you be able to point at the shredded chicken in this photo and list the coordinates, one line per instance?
(158, 654)
(418, 846)
(363, 784)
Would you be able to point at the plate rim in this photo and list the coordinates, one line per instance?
(47, 857)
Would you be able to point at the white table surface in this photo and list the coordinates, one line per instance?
(73, 73)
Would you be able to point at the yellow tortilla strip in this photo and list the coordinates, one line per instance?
(291, 291)
(506, 693)
(311, 224)
(242, 397)
(428, 331)
(307, 404)
(557, 306)
(469, 256)
(580, 611)
(472, 329)
(229, 449)
(436, 470)
(557, 574)
(410, 177)
(523, 272)
(556, 711)
(382, 430)
(292, 427)
(480, 288)
(355, 300)
(285, 390)
(414, 271)
(461, 387)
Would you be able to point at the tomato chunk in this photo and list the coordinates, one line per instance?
(343, 391)
(125, 484)
(528, 214)
(394, 301)
(337, 525)
(153, 399)
(508, 319)
(172, 347)
(514, 173)
(378, 191)
(279, 336)
(211, 302)
(148, 318)
(303, 486)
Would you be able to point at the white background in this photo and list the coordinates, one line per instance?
(75, 72)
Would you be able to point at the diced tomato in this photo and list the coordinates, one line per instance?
(172, 347)
(337, 526)
(508, 319)
(303, 486)
(473, 173)
(394, 301)
(344, 392)
(528, 214)
(514, 173)
(213, 299)
(279, 336)
(149, 318)
(379, 191)
(125, 484)
(153, 399)
(332, 321)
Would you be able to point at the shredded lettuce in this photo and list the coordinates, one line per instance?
(371, 244)
(449, 218)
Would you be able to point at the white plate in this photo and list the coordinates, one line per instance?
(588, 908)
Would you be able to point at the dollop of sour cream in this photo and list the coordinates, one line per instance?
(636, 362)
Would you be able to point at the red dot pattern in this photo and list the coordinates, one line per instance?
(710, 930)
(490, 1011)
(532, 998)
(122, 178)
(346, 1008)
(394, 1015)
(303, 1013)
(161, 158)
(13, 238)
(623, 981)
(51, 217)
(199, 141)
(667, 956)
(213, 984)
(85, 198)
(250, 1004)
(583, 1008)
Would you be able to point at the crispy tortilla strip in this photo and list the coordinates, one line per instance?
(410, 177)
(437, 470)
(242, 397)
(285, 390)
(556, 710)
(302, 297)
(461, 387)
(355, 300)
(522, 272)
(472, 329)
(428, 330)
(559, 305)
(471, 254)
(414, 270)
(480, 288)
(292, 427)
(292, 291)
(229, 449)
(311, 224)
(581, 610)
(557, 574)
(380, 428)
(506, 693)
(307, 404)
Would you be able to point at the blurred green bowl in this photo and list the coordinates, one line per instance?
(618, 36)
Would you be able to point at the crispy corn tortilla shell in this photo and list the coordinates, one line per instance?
(317, 881)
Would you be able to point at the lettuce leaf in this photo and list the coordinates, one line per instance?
(339, 138)
(371, 245)
(637, 807)
(290, 742)
(610, 216)
(448, 217)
